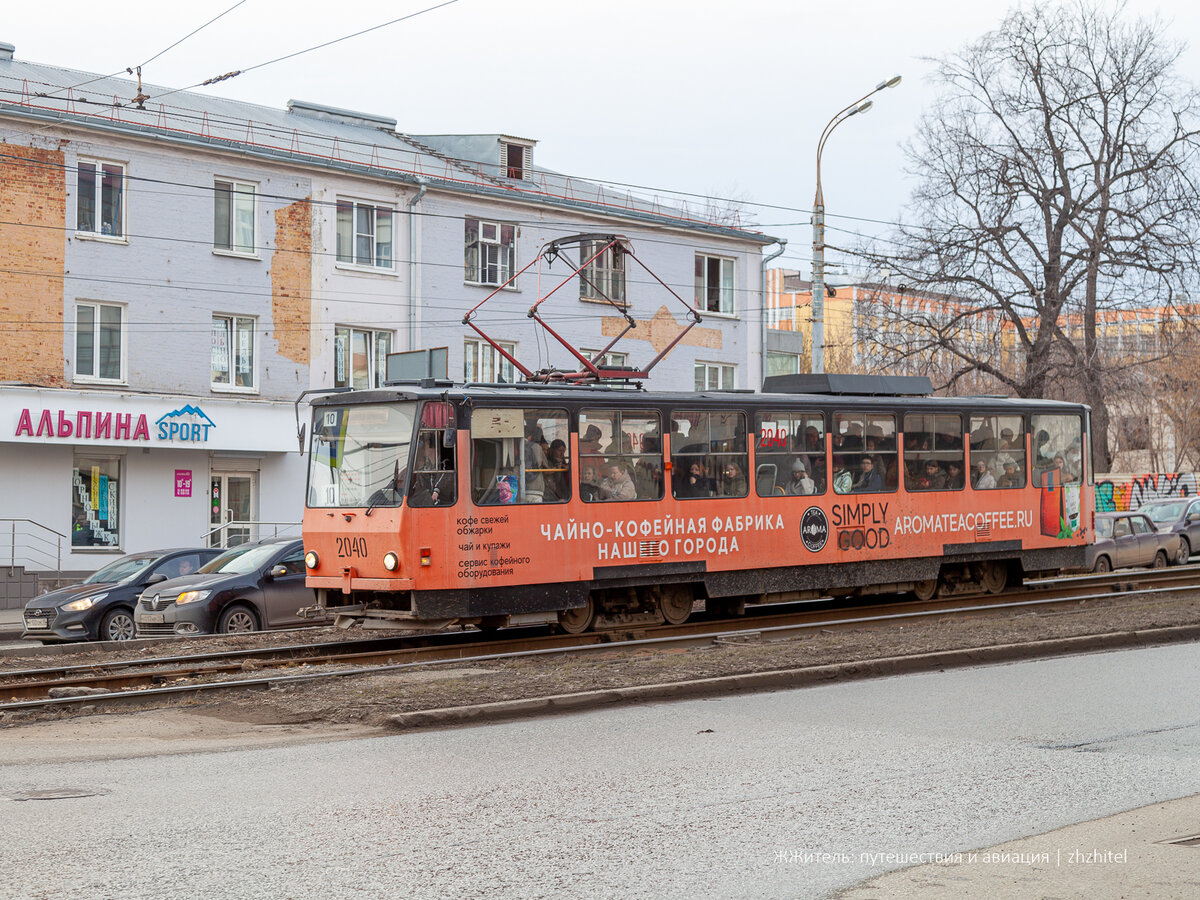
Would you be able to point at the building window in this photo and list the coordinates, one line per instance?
(101, 198)
(516, 159)
(780, 363)
(233, 217)
(364, 234)
(95, 501)
(360, 357)
(714, 376)
(233, 352)
(616, 360)
(604, 277)
(490, 250)
(714, 284)
(482, 363)
(99, 340)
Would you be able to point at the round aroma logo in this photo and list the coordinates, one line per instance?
(814, 528)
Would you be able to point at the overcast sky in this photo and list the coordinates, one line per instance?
(725, 99)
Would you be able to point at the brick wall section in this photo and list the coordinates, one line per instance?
(291, 276)
(33, 193)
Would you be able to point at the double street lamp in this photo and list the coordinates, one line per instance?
(818, 262)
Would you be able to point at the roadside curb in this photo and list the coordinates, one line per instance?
(788, 678)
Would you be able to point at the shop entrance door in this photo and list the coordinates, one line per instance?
(231, 501)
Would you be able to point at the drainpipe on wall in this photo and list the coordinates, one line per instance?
(412, 266)
(762, 285)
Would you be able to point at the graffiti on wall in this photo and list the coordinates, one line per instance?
(1112, 496)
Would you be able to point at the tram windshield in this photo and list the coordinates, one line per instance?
(359, 454)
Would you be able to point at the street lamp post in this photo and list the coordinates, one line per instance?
(818, 261)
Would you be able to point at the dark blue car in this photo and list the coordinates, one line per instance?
(101, 607)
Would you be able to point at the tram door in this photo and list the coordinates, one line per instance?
(231, 499)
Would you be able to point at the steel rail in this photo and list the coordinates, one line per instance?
(684, 635)
(322, 651)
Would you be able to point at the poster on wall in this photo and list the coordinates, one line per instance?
(183, 482)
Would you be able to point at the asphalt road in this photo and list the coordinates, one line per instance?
(731, 797)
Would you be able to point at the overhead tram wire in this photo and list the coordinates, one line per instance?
(128, 69)
(191, 34)
(271, 62)
(270, 129)
(66, 229)
(568, 226)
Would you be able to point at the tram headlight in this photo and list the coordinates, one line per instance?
(311, 560)
(391, 561)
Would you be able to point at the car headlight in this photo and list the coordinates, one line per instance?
(84, 602)
(191, 597)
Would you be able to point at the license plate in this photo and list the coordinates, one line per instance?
(152, 618)
(36, 623)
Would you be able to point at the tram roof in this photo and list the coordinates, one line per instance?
(610, 395)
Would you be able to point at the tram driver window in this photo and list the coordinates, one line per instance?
(789, 457)
(997, 452)
(620, 455)
(434, 480)
(1057, 449)
(933, 453)
(513, 456)
(708, 454)
(864, 453)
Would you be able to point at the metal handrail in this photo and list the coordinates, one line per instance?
(12, 547)
(243, 524)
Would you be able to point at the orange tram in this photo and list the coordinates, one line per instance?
(598, 506)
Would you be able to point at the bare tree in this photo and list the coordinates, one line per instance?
(1056, 180)
(1173, 407)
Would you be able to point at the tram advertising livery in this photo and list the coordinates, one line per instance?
(597, 506)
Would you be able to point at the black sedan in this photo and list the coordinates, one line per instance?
(249, 588)
(101, 607)
(1180, 516)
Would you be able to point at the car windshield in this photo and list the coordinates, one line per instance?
(241, 560)
(1104, 528)
(125, 569)
(1164, 513)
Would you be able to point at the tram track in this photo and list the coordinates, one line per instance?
(147, 680)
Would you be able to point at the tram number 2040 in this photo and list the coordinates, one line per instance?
(352, 546)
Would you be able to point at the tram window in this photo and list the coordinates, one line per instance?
(1057, 449)
(708, 454)
(864, 453)
(998, 451)
(511, 456)
(933, 452)
(620, 455)
(434, 479)
(789, 457)
(360, 453)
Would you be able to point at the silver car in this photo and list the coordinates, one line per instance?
(1125, 539)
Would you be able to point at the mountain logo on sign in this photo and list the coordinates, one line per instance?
(189, 432)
